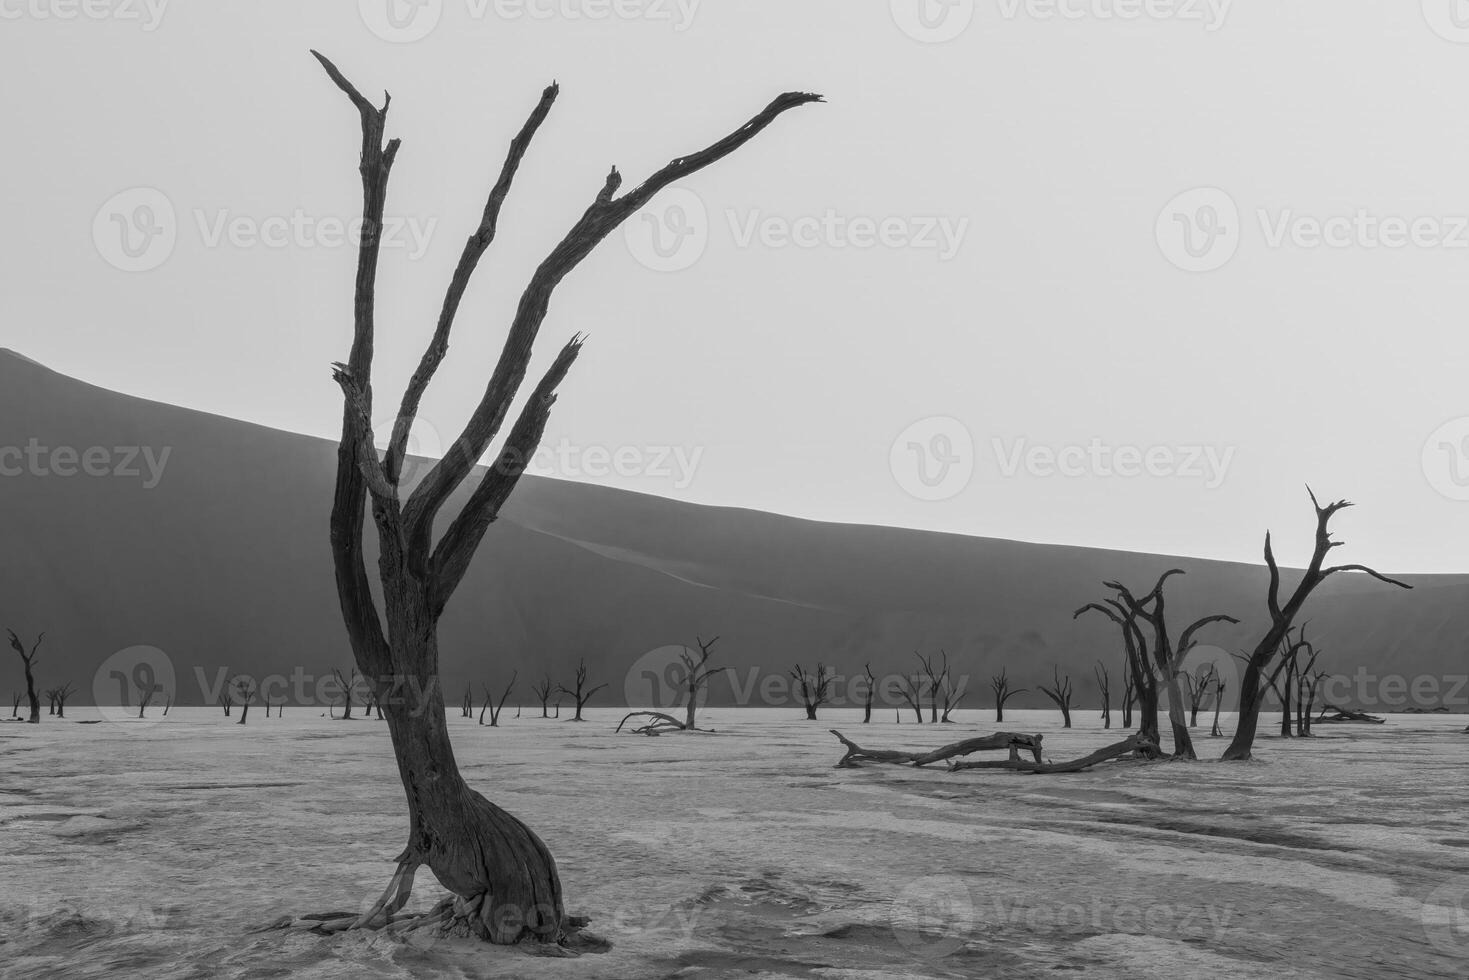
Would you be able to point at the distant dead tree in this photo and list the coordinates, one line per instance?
(1282, 618)
(815, 690)
(1197, 686)
(167, 702)
(63, 694)
(1000, 684)
(226, 701)
(1105, 687)
(935, 681)
(1219, 687)
(1060, 692)
(28, 660)
(871, 690)
(495, 709)
(50, 695)
(912, 694)
(501, 871)
(694, 679)
(345, 684)
(542, 690)
(466, 708)
(1167, 655)
(1143, 681)
(371, 701)
(245, 690)
(1306, 700)
(15, 700)
(581, 694)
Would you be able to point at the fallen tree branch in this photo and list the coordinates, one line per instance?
(856, 754)
(1347, 714)
(1137, 742)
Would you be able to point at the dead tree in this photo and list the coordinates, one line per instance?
(935, 681)
(1311, 685)
(694, 679)
(1219, 687)
(856, 754)
(50, 696)
(1135, 745)
(502, 875)
(815, 691)
(542, 691)
(871, 691)
(912, 694)
(1166, 654)
(1282, 617)
(245, 689)
(952, 694)
(226, 701)
(1197, 686)
(1000, 684)
(495, 709)
(168, 703)
(345, 685)
(580, 694)
(28, 661)
(145, 697)
(466, 708)
(1060, 692)
(63, 694)
(15, 700)
(1104, 685)
(1139, 669)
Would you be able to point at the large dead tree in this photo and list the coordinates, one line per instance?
(815, 689)
(28, 661)
(1283, 614)
(580, 693)
(1012, 741)
(1139, 668)
(1167, 655)
(502, 875)
(1000, 684)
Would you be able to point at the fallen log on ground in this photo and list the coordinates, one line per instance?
(856, 754)
(657, 724)
(1136, 743)
(1347, 714)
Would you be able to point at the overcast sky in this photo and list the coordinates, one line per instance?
(1103, 272)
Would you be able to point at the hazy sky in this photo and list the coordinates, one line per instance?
(1025, 250)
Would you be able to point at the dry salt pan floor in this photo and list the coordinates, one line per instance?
(149, 850)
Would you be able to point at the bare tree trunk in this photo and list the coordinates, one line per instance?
(502, 872)
(28, 660)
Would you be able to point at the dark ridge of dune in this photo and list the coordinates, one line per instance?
(224, 564)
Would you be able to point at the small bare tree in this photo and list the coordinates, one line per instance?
(1129, 692)
(542, 690)
(1060, 692)
(1219, 687)
(581, 694)
(245, 690)
(912, 694)
(1197, 686)
(935, 678)
(1000, 684)
(814, 689)
(345, 684)
(28, 660)
(495, 709)
(15, 700)
(952, 693)
(1105, 687)
(871, 691)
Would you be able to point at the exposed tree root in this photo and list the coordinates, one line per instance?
(856, 754)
